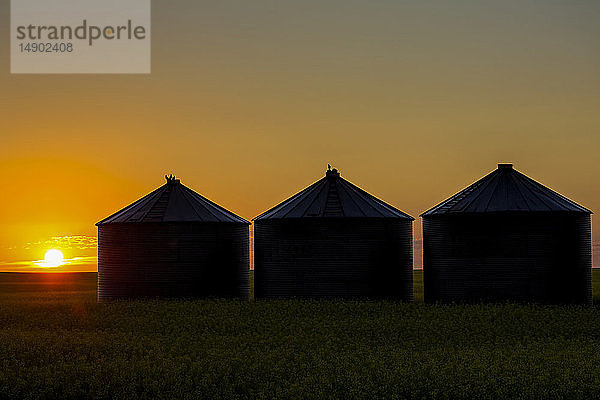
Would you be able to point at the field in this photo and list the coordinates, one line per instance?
(56, 342)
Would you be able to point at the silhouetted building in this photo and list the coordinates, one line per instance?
(333, 239)
(507, 238)
(173, 243)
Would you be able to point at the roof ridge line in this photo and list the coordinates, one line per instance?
(186, 197)
(289, 199)
(484, 185)
(312, 188)
(217, 206)
(354, 201)
(353, 187)
(145, 199)
(492, 196)
(518, 186)
(470, 187)
(313, 201)
(505, 190)
(380, 202)
(538, 188)
(166, 192)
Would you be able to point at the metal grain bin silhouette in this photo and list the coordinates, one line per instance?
(330, 240)
(507, 238)
(173, 243)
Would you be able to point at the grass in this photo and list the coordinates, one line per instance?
(56, 342)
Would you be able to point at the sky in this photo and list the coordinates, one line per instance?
(248, 102)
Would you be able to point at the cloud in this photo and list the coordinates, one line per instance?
(75, 264)
(80, 242)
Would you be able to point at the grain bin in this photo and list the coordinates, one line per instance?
(507, 238)
(173, 243)
(333, 240)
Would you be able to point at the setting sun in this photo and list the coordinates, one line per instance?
(53, 258)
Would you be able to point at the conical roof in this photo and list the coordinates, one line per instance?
(172, 202)
(332, 197)
(505, 189)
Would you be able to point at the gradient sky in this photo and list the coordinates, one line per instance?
(249, 100)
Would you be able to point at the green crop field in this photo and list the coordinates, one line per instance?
(56, 342)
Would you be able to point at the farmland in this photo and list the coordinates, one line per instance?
(57, 342)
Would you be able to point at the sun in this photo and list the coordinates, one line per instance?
(53, 258)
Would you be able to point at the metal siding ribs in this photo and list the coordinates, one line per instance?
(333, 240)
(507, 238)
(334, 258)
(173, 260)
(173, 243)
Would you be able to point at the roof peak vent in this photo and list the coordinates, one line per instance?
(171, 180)
(505, 166)
(332, 173)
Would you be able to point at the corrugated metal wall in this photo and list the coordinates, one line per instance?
(526, 257)
(173, 260)
(333, 258)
